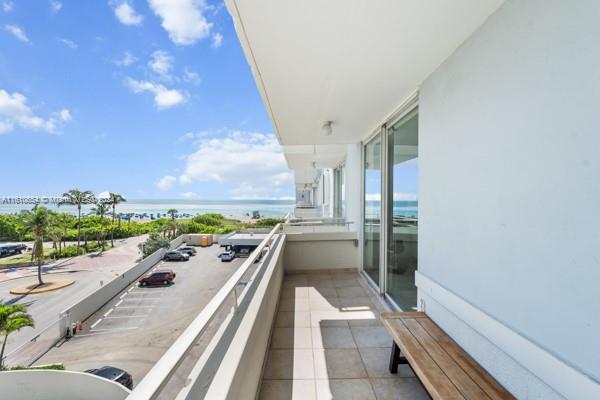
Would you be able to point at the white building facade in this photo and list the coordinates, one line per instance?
(464, 147)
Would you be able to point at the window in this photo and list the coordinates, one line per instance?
(372, 208)
(402, 215)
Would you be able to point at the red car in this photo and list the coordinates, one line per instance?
(159, 277)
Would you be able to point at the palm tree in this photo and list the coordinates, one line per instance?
(63, 220)
(129, 216)
(100, 210)
(113, 200)
(172, 213)
(37, 223)
(12, 319)
(78, 198)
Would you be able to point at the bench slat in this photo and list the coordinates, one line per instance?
(492, 388)
(433, 378)
(403, 315)
(453, 371)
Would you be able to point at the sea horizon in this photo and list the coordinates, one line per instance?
(228, 208)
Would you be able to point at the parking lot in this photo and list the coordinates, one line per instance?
(138, 325)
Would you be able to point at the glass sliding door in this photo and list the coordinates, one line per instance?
(372, 208)
(402, 216)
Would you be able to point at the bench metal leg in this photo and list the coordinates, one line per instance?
(396, 358)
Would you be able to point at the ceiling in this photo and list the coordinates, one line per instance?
(314, 156)
(352, 62)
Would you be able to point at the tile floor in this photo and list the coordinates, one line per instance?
(328, 343)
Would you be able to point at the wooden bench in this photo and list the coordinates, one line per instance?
(444, 368)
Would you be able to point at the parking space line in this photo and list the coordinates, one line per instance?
(141, 298)
(127, 316)
(108, 312)
(95, 323)
(123, 295)
(131, 288)
(129, 307)
(119, 303)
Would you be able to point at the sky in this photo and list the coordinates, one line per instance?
(148, 98)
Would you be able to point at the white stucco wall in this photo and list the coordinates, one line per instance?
(352, 187)
(52, 385)
(509, 158)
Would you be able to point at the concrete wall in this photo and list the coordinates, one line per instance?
(509, 158)
(52, 385)
(312, 251)
(353, 186)
(87, 306)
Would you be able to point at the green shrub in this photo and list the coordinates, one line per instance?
(153, 243)
(57, 367)
(209, 219)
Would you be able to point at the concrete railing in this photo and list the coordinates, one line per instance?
(52, 385)
(165, 379)
(318, 251)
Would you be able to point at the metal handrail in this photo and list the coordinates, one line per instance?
(156, 379)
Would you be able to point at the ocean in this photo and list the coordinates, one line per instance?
(229, 208)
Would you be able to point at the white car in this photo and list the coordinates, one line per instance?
(227, 255)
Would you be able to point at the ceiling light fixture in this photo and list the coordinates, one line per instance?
(327, 128)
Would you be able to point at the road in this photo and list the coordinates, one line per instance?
(134, 329)
(89, 272)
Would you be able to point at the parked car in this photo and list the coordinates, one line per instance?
(227, 255)
(159, 277)
(175, 255)
(190, 251)
(9, 250)
(114, 374)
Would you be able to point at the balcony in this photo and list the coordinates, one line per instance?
(328, 343)
(296, 321)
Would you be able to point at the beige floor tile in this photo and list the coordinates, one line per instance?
(352, 291)
(293, 319)
(289, 364)
(320, 282)
(362, 302)
(332, 338)
(323, 304)
(294, 305)
(338, 364)
(399, 389)
(345, 281)
(294, 293)
(287, 390)
(377, 360)
(344, 389)
(327, 318)
(373, 319)
(322, 292)
(371, 336)
(291, 338)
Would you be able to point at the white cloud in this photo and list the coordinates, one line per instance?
(183, 20)
(127, 15)
(166, 182)
(191, 76)
(55, 6)
(67, 42)
(193, 136)
(162, 63)
(14, 112)
(217, 40)
(405, 196)
(127, 60)
(252, 164)
(7, 6)
(17, 32)
(189, 195)
(163, 97)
